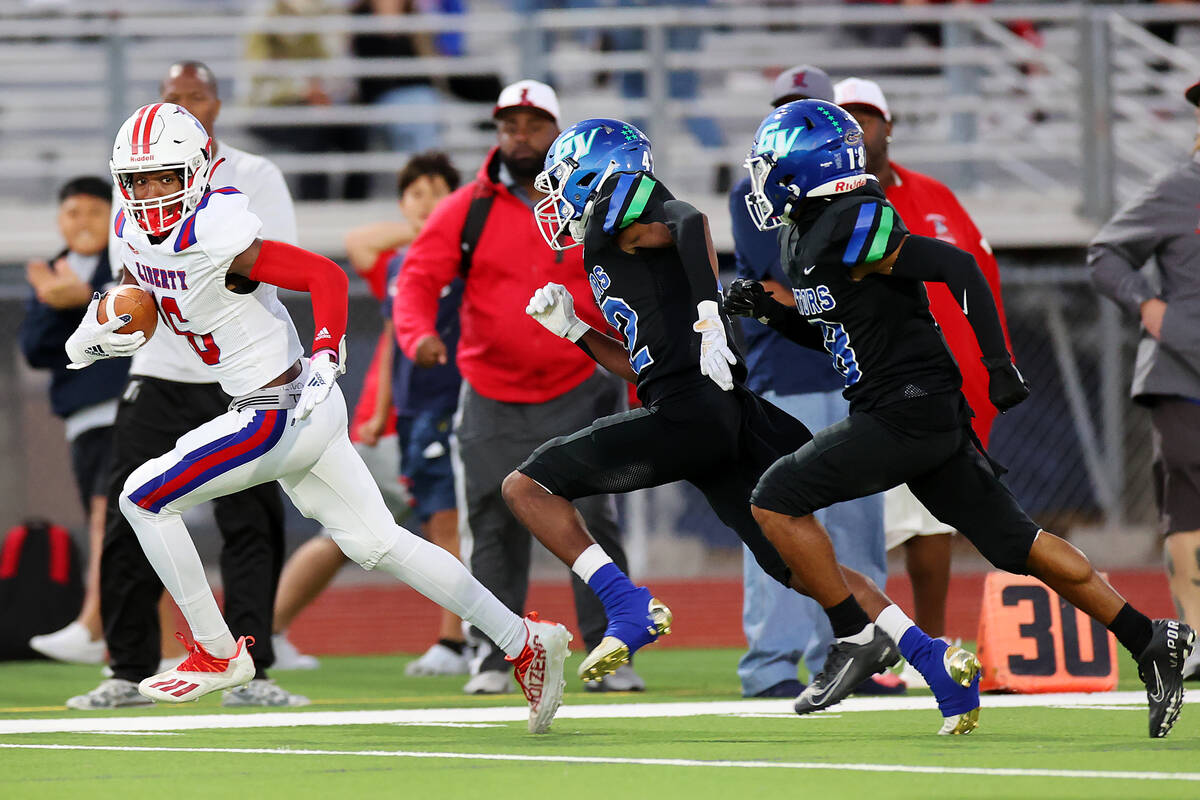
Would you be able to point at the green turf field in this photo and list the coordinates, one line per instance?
(420, 737)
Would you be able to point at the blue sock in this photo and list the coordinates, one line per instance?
(612, 586)
(914, 644)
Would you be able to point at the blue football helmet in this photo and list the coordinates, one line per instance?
(806, 148)
(578, 163)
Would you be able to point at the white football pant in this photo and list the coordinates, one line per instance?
(319, 469)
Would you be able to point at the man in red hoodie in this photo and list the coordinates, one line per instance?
(928, 208)
(519, 387)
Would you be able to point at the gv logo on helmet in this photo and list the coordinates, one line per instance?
(576, 146)
(776, 140)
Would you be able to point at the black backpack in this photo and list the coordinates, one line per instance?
(41, 588)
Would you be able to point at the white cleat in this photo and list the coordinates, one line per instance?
(200, 673)
(72, 644)
(439, 660)
(539, 670)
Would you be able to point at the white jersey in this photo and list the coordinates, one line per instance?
(244, 341)
(170, 357)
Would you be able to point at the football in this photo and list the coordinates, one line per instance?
(131, 300)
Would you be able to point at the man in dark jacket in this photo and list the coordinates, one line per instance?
(86, 400)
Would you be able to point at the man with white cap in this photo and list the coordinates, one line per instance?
(928, 208)
(519, 387)
(781, 626)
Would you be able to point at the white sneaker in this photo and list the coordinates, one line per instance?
(262, 692)
(72, 643)
(623, 679)
(438, 660)
(491, 681)
(113, 693)
(288, 657)
(200, 673)
(539, 670)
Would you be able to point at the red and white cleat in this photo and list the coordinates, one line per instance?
(200, 673)
(539, 670)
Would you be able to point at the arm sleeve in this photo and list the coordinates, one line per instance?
(692, 243)
(788, 323)
(431, 262)
(1123, 246)
(926, 259)
(290, 267)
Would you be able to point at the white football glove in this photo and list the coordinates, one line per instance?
(715, 355)
(92, 341)
(553, 307)
(323, 370)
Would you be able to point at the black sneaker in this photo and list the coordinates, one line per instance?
(847, 666)
(1160, 666)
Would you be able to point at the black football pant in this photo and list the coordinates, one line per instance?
(152, 415)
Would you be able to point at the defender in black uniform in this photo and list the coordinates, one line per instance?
(653, 274)
(858, 280)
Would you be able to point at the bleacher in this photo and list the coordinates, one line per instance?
(1017, 128)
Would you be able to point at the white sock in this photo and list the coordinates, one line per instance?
(589, 561)
(444, 579)
(862, 637)
(170, 550)
(894, 622)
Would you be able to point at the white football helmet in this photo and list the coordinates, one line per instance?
(157, 137)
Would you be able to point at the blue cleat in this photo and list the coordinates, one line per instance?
(637, 621)
(952, 674)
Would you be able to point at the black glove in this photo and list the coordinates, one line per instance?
(1006, 387)
(748, 298)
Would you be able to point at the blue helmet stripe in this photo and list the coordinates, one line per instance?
(619, 195)
(862, 226)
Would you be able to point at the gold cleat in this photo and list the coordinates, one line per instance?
(961, 665)
(960, 724)
(612, 652)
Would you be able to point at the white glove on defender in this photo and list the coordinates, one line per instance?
(553, 307)
(715, 355)
(323, 370)
(92, 341)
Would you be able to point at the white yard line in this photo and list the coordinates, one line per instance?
(651, 762)
(86, 723)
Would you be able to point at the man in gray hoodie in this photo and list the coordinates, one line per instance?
(1159, 230)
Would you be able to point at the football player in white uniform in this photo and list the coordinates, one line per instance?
(195, 247)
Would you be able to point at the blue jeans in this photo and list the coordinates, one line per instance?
(782, 626)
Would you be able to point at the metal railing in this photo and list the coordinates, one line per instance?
(1075, 122)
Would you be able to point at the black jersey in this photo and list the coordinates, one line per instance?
(650, 296)
(883, 339)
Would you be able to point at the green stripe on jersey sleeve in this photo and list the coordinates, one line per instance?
(882, 234)
(638, 204)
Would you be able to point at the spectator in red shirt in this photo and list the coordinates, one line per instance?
(520, 387)
(928, 208)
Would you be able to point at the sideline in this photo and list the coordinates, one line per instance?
(87, 723)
